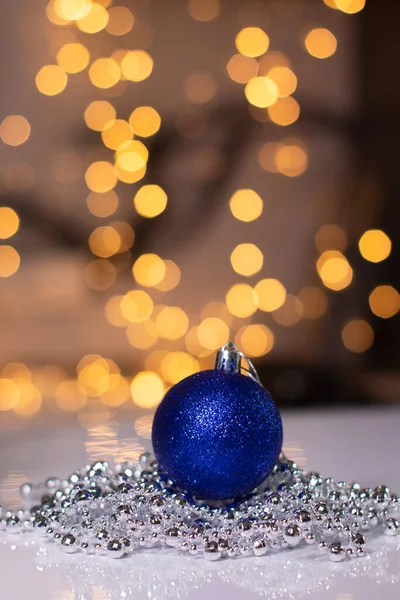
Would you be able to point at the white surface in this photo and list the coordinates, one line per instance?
(362, 446)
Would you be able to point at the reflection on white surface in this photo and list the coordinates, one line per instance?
(9, 490)
(103, 442)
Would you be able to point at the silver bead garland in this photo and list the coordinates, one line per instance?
(117, 510)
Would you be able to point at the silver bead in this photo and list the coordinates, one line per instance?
(309, 538)
(13, 524)
(337, 552)
(68, 543)
(26, 490)
(173, 536)
(292, 535)
(211, 551)
(391, 527)
(259, 548)
(115, 549)
(245, 527)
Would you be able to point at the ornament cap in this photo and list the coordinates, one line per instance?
(229, 359)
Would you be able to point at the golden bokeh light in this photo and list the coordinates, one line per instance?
(331, 4)
(9, 222)
(271, 294)
(384, 301)
(9, 394)
(217, 309)
(171, 278)
(261, 92)
(247, 259)
(121, 21)
(104, 73)
(285, 80)
(131, 156)
(70, 396)
(142, 335)
(242, 300)
(96, 20)
(72, 10)
(136, 306)
(17, 371)
(149, 270)
(266, 156)
(200, 87)
(30, 400)
(137, 65)
(9, 261)
(285, 112)
(357, 336)
(53, 16)
(145, 121)
(100, 274)
(100, 115)
(104, 241)
(98, 375)
(126, 234)
(334, 270)
(350, 6)
(51, 80)
(375, 246)
(154, 360)
(175, 366)
(314, 301)
(252, 41)
(271, 60)
(203, 10)
(150, 201)
(193, 345)
(290, 312)
(15, 130)
(73, 57)
(113, 312)
(172, 323)
(102, 205)
(320, 43)
(331, 237)
(246, 205)
(242, 68)
(255, 340)
(147, 389)
(291, 160)
(100, 177)
(116, 134)
(130, 176)
(118, 395)
(213, 333)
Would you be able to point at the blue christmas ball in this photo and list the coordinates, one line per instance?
(217, 434)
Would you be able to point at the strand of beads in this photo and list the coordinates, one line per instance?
(117, 510)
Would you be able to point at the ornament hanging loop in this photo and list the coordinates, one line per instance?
(229, 358)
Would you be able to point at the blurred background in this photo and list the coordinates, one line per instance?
(178, 174)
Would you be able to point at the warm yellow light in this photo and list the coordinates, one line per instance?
(203, 10)
(104, 73)
(213, 333)
(142, 335)
(149, 270)
(72, 10)
(100, 274)
(70, 396)
(15, 130)
(30, 400)
(375, 245)
(272, 60)
(285, 80)
(136, 306)
(118, 395)
(242, 68)
(271, 294)
(150, 201)
(73, 57)
(126, 234)
(384, 301)
(267, 155)
(252, 41)
(131, 156)
(95, 21)
(145, 121)
(217, 309)
(255, 340)
(357, 336)
(261, 92)
(51, 80)
(331, 237)
(291, 160)
(193, 345)
(147, 389)
(17, 371)
(100, 115)
(247, 259)
(285, 112)
(200, 87)
(137, 65)
(104, 241)
(117, 133)
(331, 4)
(172, 323)
(98, 375)
(102, 205)
(242, 300)
(9, 394)
(130, 176)
(100, 177)
(171, 278)
(9, 261)
(334, 270)
(9, 222)
(314, 301)
(53, 16)
(175, 366)
(350, 6)
(320, 43)
(246, 205)
(290, 312)
(121, 20)
(113, 312)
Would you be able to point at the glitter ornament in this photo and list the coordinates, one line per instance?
(218, 434)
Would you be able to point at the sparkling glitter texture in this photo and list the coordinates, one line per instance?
(217, 435)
